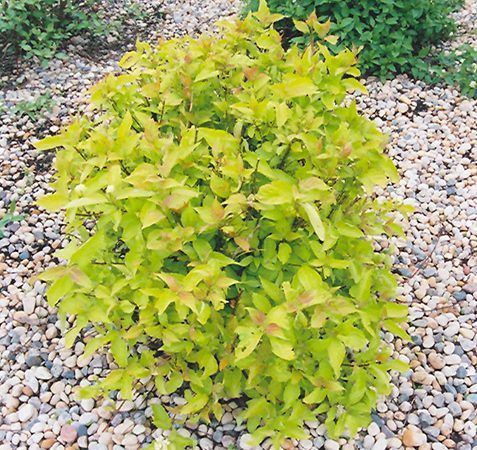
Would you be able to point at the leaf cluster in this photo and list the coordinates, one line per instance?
(456, 67)
(222, 208)
(9, 218)
(35, 28)
(34, 108)
(395, 35)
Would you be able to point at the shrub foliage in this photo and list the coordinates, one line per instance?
(396, 35)
(223, 219)
(456, 67)
(38, 28)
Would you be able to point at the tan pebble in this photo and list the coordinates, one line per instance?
(46, 397)
(51, 332)
(105, 438)
(420, 293)
(405, 100)
(27, 390)
(57, 387)
(83, 361)
(422, 377)
(436, 361)
(70, 361)
(129, 440)
(469, 334)
(458, 425)
(402, 108)
(47, 443)
(414, 363)
(413, 437)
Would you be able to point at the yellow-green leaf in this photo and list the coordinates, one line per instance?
(53, 202)
(282, 349)
(275, 193)
(295, 86)
(195, 404)
(160, 417)
(336, 354)
(301, 26)
(120, 351)
(315, 220)
(51, 142)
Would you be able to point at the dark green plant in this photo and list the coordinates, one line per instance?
(455, 67)
(395, 34)
(230, 185)
(34, 108)
(135, 11)
(39, 28)
(9, 217)
(131, 11)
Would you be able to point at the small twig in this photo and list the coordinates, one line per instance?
(80, 153)
(88, 215)
(125, 169)
(254, 175)
(162, 111)
(284, 157)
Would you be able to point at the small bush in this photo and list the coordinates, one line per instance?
(38, 28)
(456, 67)
(222, 205)
(396, 35)
(9, 217)
(35, 108)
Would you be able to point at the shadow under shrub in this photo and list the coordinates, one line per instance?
(223, 212)
(396, 35)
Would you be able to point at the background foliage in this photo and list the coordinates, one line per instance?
(38, 28)
(34, 108)
(222, 208)
(455, 67)
(396, 35)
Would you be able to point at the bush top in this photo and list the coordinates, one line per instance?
(220, 205)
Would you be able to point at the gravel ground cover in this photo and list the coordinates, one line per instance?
(433, 140)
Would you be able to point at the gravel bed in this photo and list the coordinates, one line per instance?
(433, 140)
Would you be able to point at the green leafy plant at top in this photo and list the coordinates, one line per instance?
(38, 28)
(9, 218)
(395, 35)
(34, 108)
(230, 185)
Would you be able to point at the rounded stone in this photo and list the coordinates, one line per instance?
(68, 434)
(413, 437)
(26, 412)
(331, 445)
(245, 442)
(47, 443)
